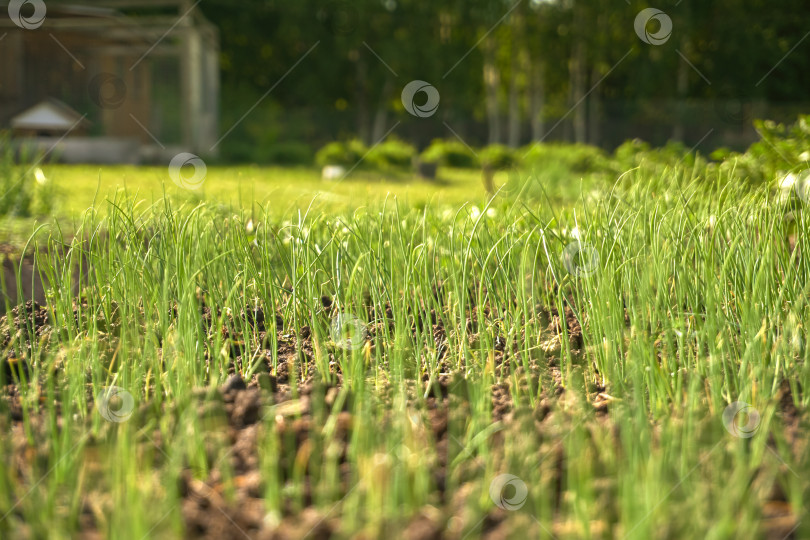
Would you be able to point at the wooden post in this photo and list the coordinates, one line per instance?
(191, 81)
(12, 75)
(210, 132)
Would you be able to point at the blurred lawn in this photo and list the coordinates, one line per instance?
(280, 189)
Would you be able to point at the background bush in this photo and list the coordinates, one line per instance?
(450, 154)
(391, 154)
(577, 158)
(346, 154)
(285, 153)
(498, 156)
(783, 149)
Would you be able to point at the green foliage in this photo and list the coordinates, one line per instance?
(672, 309)
(680, 298)
(733, 43)
(285, 153)
(450, 153)
(636, 154)
(24, 189)
(248, 140)
(498, 156)
(577, 158)
(783, 149)
(391, 154)
(781, 159)
(346, 154)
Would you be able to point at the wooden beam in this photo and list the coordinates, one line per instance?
(153, 24)
(122, 4)
(126, 50)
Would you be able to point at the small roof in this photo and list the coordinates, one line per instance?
(50, 114)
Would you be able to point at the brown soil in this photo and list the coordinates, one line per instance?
(288, 389)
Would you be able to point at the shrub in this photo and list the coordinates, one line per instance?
(498, 156)
(784, 149)
(636, 154)
(576, 158)
(450, 154)
(630, 152)
(346, 154)
(391, 154)
(286, 153)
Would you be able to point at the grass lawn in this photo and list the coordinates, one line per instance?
(614, 361)
(283, 190)
(279, 192)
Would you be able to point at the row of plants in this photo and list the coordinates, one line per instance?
(680, 301)
(394, 154)
(782, 151)
(782, 154)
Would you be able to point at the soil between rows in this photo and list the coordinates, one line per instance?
(270, 400)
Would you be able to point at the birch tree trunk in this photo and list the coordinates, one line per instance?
(381, 115)
(537, 98)
(594, 110)
(361, 96)
(595, 97)
(682, 80)
(577, 74)
(578, 91)
(519, 67)
(513, 139)
(682, 88)
(492, 81)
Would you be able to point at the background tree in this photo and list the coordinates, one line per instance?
(508, 71)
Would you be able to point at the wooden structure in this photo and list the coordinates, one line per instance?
(137, 69)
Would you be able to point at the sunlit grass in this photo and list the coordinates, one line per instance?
(691, 300)
(283, 189)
